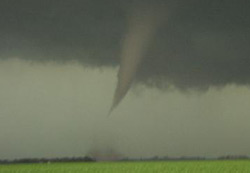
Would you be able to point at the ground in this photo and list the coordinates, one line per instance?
(240, 166)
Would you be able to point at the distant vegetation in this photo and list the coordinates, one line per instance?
(91, 159)
(48, 160)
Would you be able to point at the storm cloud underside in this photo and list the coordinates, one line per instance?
(201, 44)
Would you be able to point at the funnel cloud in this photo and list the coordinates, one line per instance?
(143, 24)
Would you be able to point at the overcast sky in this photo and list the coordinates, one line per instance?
(58, 72)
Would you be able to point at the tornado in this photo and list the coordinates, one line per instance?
(142, 24)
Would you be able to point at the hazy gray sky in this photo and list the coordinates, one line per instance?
(52, 110)
(58, 73)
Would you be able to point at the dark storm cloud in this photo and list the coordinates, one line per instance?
(61, 30)
(202, 43)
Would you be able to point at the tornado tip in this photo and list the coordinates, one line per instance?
(110, 111)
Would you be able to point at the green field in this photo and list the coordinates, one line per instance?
(143, 167)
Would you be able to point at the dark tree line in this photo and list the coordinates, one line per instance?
(234, 157)
(90, 159)
(48, 160)
(183, 158)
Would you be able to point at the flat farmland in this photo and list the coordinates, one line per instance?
(134, 167)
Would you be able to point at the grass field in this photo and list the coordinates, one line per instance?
(143, 167)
